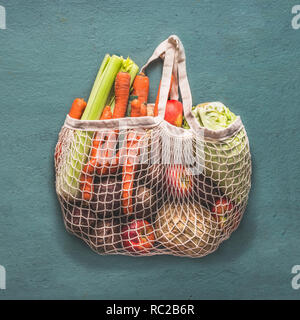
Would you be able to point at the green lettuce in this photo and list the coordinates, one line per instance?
(227, 161)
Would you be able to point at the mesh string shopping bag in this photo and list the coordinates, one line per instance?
(154, 188)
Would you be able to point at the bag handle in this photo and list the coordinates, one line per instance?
(174, 59)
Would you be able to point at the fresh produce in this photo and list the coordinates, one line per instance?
(77, 108)
(135, 108)
(129, 170)
(130, 67)
(106, 199)
(86, 185)
(95, 94)
(141, 88)
(143, 110)
(174, 112)
(82, 140)
(122, 88)
(105, 236)
(222, 211)
(138, 236)
(102, 86)
(179, 181)
(75, 112)
(114, 202)
(186, 229)
(107, 157)
(224, 159)
(106, 114)
(214, 116)
(104, 159)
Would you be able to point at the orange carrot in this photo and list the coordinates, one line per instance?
(107, 162)
(77, 108)
(141, 87)
(98, 139)
(157, 97)
(135, 108)
(106, 114)
(109, 167)
(128, 172)
(86, 185)
(103, 145)
(143, 110)
(88, 171)
(122, 88)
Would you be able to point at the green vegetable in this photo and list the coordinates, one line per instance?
(214, 116)
(77, 157)
(102, 88)
(185, 125)
(97, 82)
(226, 162)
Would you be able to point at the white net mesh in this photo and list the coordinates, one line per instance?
(146, 192)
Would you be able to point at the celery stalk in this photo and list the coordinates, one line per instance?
(77, 159)
(98, 80)
(94, 109)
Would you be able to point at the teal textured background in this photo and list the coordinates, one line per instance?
(244, 53)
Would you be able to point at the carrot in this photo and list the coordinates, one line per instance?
(109, 167)
(141, 87)
(143, 110)
(86, 184)
(128, 172)
(106, 161)
(122, 88)
(157, 97)
(102, 164)
(77, 108)
(99, 137)
(88, 171)
(135, 108)
(106, 114)
(103, 144)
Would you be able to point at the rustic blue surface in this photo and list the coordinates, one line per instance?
(244, 53)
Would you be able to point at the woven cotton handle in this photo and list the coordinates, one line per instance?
(174, 60)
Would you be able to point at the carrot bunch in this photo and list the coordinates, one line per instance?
(101, 95)
(102, 159)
